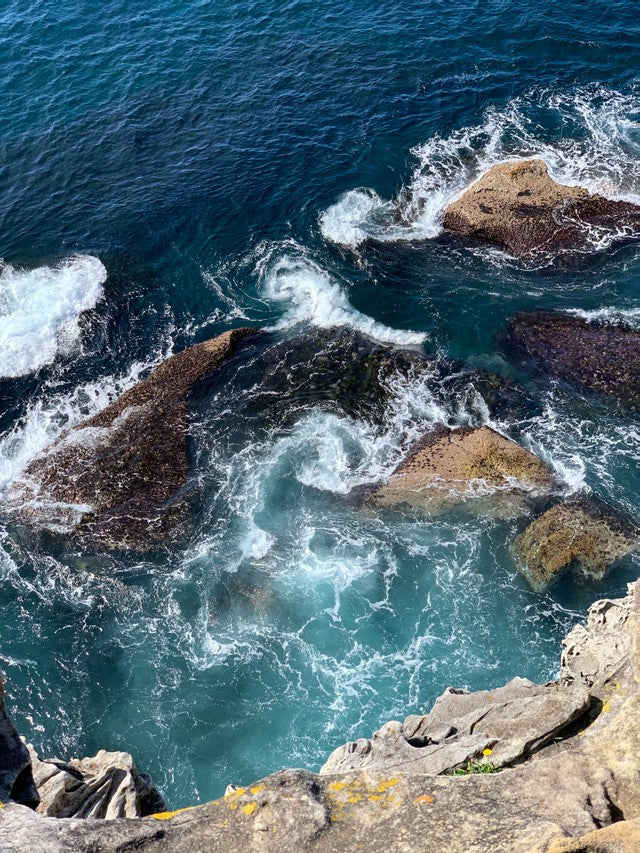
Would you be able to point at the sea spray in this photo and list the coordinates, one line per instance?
(40, 309)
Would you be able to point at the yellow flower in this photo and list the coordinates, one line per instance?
(487, 751)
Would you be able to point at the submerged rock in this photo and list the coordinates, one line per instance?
(577, 790)
(579, 532)
(590, 355)
(345, 372)
(502, 725)
(117, 478)
(450, 467)
(108, 786)
(339, 370)
(519, 208)
(16, 779)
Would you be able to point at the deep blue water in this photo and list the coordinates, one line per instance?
(171, 169)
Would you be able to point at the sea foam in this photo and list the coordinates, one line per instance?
(40, 309)
(310, 295)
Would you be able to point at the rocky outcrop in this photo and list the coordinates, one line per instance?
(507, 724)
(16, 780)
(592, 356)
(118, 478)
(475, 467)
(569, 778)
(581, 533)
(519, 208)
(108, 786)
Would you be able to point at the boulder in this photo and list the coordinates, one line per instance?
(118, 478)
(339, 370)
(519, 208)
(108, 786)
(593, 356)
(475, 467)
(16, 780)
(499, 726)
(579, 532)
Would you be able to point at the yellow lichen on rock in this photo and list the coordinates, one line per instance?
(169, 815)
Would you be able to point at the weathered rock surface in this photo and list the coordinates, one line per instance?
(16, 780)
(118, 476)
(513, 722)
(581, 533)
(108, 785)
(580, 792)
(593, 356)
(519, 208)
(476, 467)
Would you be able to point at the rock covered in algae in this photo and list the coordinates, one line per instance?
(578, 532)
(519, 208)
(117, 477)
(449, 467)
(594, 356)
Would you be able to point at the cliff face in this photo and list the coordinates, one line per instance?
(540, 768)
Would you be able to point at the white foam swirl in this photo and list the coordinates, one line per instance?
(40, 308)
(311, 295)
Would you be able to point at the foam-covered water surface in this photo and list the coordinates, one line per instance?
(201, 166)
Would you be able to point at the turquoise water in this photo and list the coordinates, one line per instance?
(169, 170)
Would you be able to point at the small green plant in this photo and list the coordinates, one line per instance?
(477, 767)
(484, 766)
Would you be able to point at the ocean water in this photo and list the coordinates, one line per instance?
(172, 169)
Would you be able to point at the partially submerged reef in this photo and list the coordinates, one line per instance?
(550, 767)
(541, 768)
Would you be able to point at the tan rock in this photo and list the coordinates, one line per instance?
(450, 467)
(519, 208)
(106, 785)
(621, 837)
(576, 532)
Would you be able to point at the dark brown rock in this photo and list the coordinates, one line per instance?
(592, 356)
(118, 476)
(519, 208)
(16, 779)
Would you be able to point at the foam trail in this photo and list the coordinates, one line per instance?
(599, 151)
(611, 316)
(312, 296)
(40, 309)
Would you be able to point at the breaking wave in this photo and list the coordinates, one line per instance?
(310, 295)
(40, 309)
